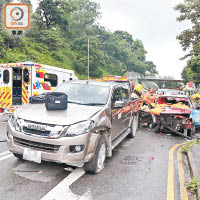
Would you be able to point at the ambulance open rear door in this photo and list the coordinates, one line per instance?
(21, 85)
(5, 88)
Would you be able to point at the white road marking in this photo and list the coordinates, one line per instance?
(6, 156)
(62, 191)
(4, 122)
(4, 153)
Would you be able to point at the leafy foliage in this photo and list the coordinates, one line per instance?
(188, 146)
(190, 38)
(59, 35)
(193, 185)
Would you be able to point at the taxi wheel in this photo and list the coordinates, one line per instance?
(96, 165)
(134, 126)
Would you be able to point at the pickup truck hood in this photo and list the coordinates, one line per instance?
(171, 110)
(74, 113)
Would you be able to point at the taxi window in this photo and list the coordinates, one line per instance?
(51, 80)
(6, 76)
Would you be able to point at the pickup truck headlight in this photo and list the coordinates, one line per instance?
(13, 119)
(78, 129)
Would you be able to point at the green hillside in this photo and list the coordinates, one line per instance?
(59, 36)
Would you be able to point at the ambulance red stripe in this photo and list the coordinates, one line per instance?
(24, 100)
(6, 95)
(25, 94)
(2, 95)
(9, 97)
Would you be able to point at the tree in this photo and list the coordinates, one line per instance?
(189, 10)
(2, 3)
(54, 13)
(59, 36)
(190, 38)
(83, 17)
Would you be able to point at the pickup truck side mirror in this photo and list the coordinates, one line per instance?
(133, 98)
(119, 104)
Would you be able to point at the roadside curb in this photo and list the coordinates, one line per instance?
(194, 170)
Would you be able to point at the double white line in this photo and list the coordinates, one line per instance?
(5, 155)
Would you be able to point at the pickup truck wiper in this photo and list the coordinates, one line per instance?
(93, 104)
(75, 102)
(87, 104)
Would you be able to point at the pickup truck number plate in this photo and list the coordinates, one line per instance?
(32, 155)
(36, 127)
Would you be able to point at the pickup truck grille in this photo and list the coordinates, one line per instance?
(39, 129)
(36, 132)
(36, 145)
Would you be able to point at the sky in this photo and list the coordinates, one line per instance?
(152, 22)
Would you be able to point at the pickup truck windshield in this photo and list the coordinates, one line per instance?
(85, 93)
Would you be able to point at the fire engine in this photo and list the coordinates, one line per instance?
(19, 81)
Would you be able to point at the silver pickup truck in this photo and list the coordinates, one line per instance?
(98, 117)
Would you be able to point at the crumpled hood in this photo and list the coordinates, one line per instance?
(73, 114)
(171, 110)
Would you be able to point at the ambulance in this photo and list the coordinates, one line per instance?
(19, 81)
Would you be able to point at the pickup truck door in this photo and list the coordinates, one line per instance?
(120, 116)
(127, 110)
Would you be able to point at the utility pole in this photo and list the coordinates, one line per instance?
(88, 59)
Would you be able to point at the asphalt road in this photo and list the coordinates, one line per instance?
(138, 170)
(3, 118)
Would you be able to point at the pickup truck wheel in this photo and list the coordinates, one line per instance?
(134, 126)
(96, 165)
(137, 123)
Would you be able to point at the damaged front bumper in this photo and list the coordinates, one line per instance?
(73, 151)
(177, 124)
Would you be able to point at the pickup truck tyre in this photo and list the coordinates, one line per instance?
(134, 126)
(96, 165)
(137, 124)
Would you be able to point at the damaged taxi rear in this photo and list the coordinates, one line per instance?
(172, 113)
